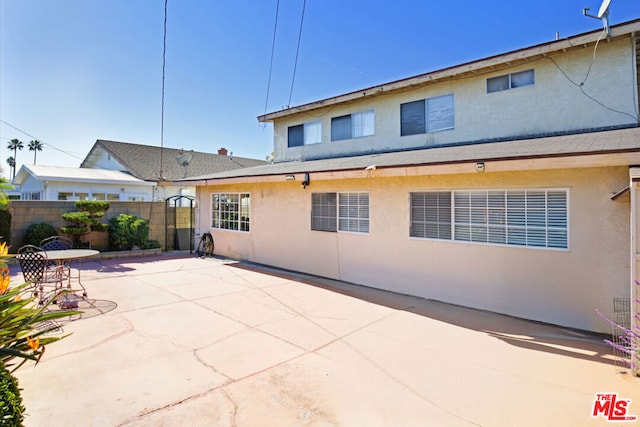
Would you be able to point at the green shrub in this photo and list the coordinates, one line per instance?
(11, 408)
(36, 233)
(95, 207)
(152, 244)
(5, 226)
(127, 231)
(85, 221)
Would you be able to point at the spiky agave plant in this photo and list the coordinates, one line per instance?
(19, 315)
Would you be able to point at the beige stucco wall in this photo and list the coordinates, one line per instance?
(552, 104)
(558, 286)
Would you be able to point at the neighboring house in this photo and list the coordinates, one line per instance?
(64, 183)
(162, 165)
(505, 184)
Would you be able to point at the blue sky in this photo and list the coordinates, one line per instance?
(74, 71)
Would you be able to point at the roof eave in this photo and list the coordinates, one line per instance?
(521, 55)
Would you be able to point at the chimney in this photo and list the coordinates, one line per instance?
(222, 151)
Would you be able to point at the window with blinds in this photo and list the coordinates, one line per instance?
(427, 115)
(354, 125)
(304, 134)
(533, 218)
(431, 215)
(353, 212)
(347, 212)
(323, 212)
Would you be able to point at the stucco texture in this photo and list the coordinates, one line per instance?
(563, 287)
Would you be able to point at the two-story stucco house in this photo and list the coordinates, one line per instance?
(506, 184)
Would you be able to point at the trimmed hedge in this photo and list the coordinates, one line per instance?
(5, 226)
(11, 408)
(36, 233)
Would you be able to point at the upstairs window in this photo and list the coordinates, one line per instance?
(510, 81)
(427, 115)
(305, 134)
(354, 125)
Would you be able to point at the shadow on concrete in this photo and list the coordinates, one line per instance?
(523, 333)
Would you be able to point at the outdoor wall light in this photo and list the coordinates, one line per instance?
(290, 178)
(306, 181)
(480, 166)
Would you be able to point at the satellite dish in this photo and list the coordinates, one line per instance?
(603, 15)
(604, 9)
(183, 160)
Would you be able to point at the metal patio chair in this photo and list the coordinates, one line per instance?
(46, 282)
(56, 243)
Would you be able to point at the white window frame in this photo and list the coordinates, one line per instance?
(525, 218)
(224, 205)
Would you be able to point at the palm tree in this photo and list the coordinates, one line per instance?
(35, 146)
(15, 145)
(12, 164)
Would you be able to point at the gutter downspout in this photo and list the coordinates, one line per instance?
(634, 175)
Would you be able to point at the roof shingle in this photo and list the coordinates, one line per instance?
(143, 161)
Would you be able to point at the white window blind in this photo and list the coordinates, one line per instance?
(431, 215)
(323, 212)
(362, 123)
(535, 218)
(313, 132)
(440, 113)
(353, 212)
(340, 212)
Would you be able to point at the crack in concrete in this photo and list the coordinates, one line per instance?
(225, 393)
(129, 328)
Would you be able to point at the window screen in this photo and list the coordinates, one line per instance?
(524, 78)
(353, 212)
(427, 115)
(305, 134)
(340, 212)
(352, 126)
(440, 113)
(341, 128)
(510, 81)
(323, 212)
(296, 136)
(431, 215)
(412, 118)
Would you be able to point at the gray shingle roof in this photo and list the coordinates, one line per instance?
(579, 144)
(143, 161)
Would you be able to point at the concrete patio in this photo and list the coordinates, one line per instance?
(212, 342)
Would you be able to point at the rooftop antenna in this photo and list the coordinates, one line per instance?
(183, 160)
(603, 15)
